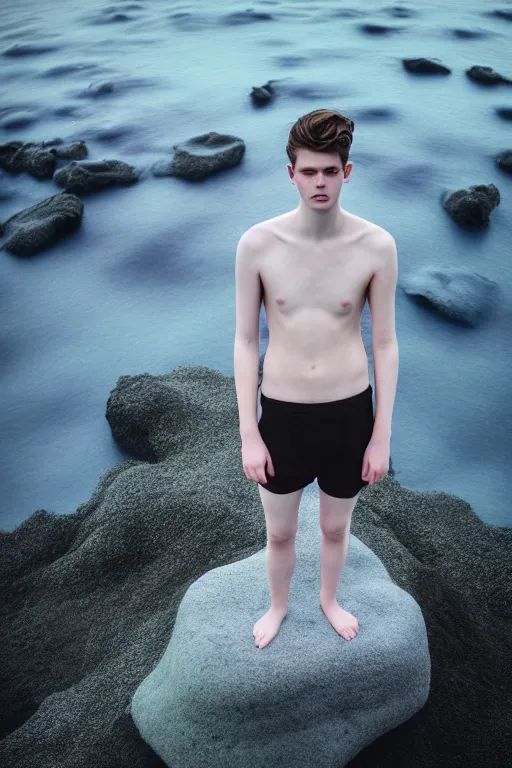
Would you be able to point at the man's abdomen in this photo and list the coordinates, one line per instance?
(319, 377)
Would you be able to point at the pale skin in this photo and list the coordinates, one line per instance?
(315, 264)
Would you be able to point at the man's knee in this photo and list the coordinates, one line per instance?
(336, 514)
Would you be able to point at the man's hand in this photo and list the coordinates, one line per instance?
(255, 457)
(375, 460)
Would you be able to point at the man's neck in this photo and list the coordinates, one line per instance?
(318, 226)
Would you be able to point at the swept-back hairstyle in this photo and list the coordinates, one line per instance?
(323, 130)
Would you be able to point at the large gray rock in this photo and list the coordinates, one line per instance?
(310, 697)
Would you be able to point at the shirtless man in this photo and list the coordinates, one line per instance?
(314, 267)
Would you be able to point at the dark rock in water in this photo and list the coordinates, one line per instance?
(202, 156)
(468, 34)
(346, 13)
(399, 12)
(486, 75)
(501, 14)
(425, 67)
(42, 225)
(262, 94)
(504, 112)
(99, 89)
(18, 121)
(90, 601)
(459, 295)
(121, 85)
(39, 159)
(18, 156)
(29, 50)
(376, 29)
(472, 206)
(90, 176)
(114, 14)
(373, 113)
(68, 69)
(76, 150)
(411, 178)
(245, 17)
(115, 17)
(111, 133)
(67, 110)
(504, 161)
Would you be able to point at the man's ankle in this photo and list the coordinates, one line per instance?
(276, 608)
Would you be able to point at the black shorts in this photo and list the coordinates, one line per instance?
(326, 441)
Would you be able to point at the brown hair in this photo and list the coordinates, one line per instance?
(323, 130)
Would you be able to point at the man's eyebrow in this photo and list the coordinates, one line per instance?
(330, 167)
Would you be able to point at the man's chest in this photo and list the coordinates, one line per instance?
(334, 283)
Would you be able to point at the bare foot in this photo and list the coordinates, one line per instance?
(343, 622)
(267, 627)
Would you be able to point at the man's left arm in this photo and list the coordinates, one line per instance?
(385, 366)
(381, 298)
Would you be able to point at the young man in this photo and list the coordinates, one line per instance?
(314, 267)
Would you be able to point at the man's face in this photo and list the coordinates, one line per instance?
(318, 173)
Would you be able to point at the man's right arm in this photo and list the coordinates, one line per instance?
(247, 338)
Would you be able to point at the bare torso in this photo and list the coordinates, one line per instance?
(314, 295)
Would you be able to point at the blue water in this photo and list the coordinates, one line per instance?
(147, 283)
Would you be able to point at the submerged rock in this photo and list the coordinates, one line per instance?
(457, 294)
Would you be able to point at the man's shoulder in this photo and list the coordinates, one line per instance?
(267, 226)
(378, 233)
(260, 234)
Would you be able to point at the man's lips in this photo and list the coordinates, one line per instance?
(315, 196)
